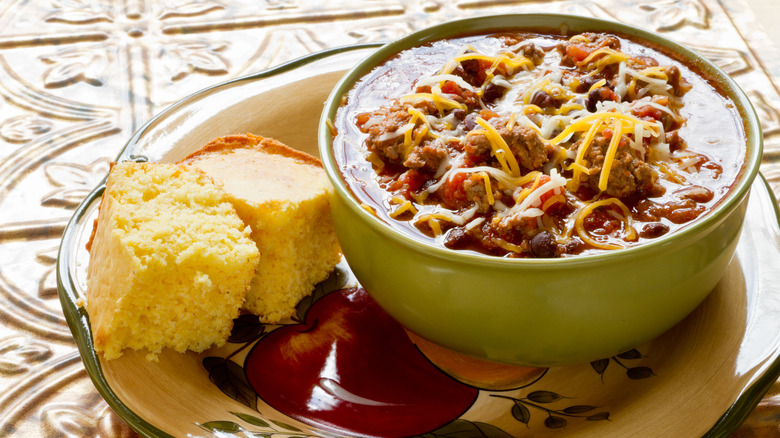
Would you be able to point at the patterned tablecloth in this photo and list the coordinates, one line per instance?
(77, 77)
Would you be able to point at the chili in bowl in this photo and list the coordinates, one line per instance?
(538, 189)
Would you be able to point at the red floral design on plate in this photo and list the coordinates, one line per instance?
(351, 368)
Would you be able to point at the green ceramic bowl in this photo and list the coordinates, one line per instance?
(539, 312)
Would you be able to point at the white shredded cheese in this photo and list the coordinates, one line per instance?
(397, 133)
(501, 81)
(443, 166)
(372, 121)
(529, 206)
(475, 223)
(436, 79)
(553, 124)
(645, 101)
(498, 174)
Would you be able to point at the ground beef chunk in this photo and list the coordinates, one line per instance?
(678, 83)
(381, 125)
(428, 156)
(467, 97)
(602, 40)
(474, 186)
(628, 176)
(470, 71)
(525, 48)
(676, 142)
(476, 143)
(641, 62)
(525, 144)
(566, 60)
(590, 40)
(532, 52)
(514, 228)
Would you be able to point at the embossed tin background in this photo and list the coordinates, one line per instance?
(77, 77)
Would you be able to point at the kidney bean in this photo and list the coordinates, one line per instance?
(543, 245)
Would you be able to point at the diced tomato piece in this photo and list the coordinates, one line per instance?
(453, 192)
(451, 87)
(607, 94)
(542, 180)
(408, 182)
(414, 179)
(648, 111)
(482, 72)
(578, 52)
(548, 194)
(472, 160)
(487, 114)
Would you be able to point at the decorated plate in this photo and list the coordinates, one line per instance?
(342, 367)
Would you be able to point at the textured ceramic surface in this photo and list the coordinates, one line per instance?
(361, 364)
(537, 312)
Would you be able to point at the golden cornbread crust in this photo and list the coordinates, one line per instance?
(283, 195)
(268, 145)
(170, 262)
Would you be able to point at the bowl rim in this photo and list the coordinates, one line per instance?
(563, 23)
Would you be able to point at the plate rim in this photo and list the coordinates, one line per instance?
(751, 395)
(75, 315)
(78, 320)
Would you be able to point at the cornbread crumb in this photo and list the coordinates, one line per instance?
(283, 194)
(170, 262)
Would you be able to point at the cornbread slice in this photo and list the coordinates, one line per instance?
(283, 195)
(170, 262)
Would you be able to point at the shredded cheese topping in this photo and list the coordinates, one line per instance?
(606, 56)
(439, 101)
(529, 202)
(628, 231)
(569, 127)
(488, 188)
(609, 159)
(578, 166)
(500, 148)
